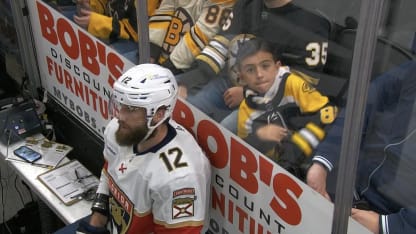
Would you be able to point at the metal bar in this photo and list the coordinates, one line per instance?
(362, 63)
(27, 51)
(143, 31)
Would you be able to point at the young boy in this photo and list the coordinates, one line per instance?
(281, 114)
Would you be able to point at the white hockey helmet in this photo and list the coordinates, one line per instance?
(149, 86)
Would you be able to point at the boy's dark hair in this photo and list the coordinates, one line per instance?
(254, 45)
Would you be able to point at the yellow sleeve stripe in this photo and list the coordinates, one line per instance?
(212, 63)
(316, 130)
(215, 55)
(216, 51)
(302, 143)
(195, 40)
(158, 25)
(219, 47)
(310, 137)
(191, 44)
(130, 30)
(199, 37)
(223, 40)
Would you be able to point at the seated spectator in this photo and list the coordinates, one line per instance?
(281, 114)
(301, 33)
(179, 30)
(111, 19)
(384, 189)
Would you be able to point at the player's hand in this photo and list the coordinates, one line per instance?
(316, 179)
(98, 220)
(233, 96)
(96, 225)
(368, 219)
(182, 92)
(272, 132)
(83, 20)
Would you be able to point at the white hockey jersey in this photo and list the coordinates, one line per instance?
(163, 189)
(182, 28)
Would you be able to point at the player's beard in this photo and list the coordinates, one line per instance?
(126, 135)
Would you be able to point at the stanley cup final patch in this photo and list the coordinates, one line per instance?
(183, 203)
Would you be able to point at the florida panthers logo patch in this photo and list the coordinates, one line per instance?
(121, 208)
(183, 203)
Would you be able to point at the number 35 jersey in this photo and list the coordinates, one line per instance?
(165, 189)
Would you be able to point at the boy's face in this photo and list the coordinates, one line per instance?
(259, 71)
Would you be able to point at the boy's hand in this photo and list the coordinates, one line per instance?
(272, 132)
(233, 96)
(83, 20)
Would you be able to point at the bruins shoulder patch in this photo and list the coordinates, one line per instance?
(307, 88)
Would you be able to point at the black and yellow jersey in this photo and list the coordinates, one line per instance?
(293, 97)
(115, 19)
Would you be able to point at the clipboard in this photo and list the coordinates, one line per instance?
(69, 181)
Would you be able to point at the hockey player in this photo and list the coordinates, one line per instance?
(179, 30)
(111, 19)
(155, 178)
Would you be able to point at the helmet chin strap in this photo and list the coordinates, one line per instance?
(151, 128)
(147, 135)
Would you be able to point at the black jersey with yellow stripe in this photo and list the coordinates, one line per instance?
(114, 19)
